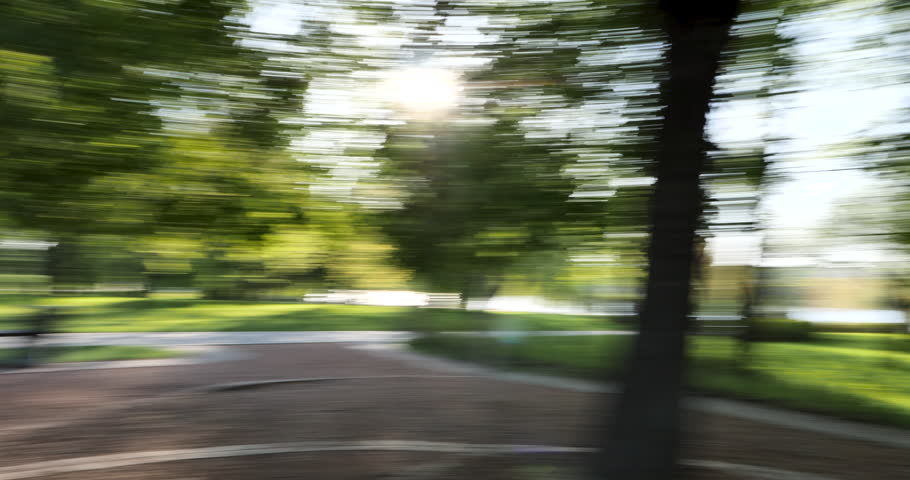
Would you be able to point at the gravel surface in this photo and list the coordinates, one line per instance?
(61, 415)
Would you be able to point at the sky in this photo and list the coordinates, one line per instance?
(844, 93)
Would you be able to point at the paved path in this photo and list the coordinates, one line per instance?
(389, 344)
(165, 339)
(76, 418)
(890, 436)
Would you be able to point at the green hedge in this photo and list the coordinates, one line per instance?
(778, 330)
(861, 327)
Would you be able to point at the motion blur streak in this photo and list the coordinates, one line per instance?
(727, 179)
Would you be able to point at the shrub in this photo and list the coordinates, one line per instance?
(778, 330)
(861, 327)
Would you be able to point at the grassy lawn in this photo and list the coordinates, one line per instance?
(130, 314)
(88, 354)
(840, 374)
(895, 342)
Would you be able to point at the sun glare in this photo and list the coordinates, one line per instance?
(421, 90)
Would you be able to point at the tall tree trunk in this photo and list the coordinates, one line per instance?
(642, 439)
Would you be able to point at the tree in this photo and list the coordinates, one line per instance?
(91, 92)
(643, 437)
(481, 199)
(740, 169)
(517, 180)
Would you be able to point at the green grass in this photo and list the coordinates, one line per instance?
(838, 327)
(895, 342)
(831, 376)
(88, 354)
(131, 314)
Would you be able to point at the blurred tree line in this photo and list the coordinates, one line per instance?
(156, 143)
(153, 143)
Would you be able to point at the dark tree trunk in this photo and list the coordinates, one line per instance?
(642, 439)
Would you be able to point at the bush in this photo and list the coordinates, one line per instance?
(778, 330)
(861, 327)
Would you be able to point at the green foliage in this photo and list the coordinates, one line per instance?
(778, 330)
(511, 185)
(479, 200)
(81, 81)
(157, 143)
(861, 327)
(134, 119)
